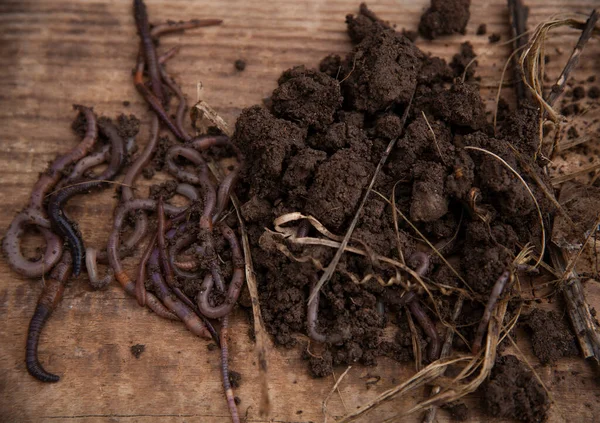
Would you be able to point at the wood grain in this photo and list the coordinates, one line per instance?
(55, 53)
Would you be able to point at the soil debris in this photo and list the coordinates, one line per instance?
(550, 336)
(445, 17)
(137, 350)
(512, 391)
(240, 64)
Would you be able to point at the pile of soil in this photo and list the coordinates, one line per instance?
(513, 391)
(314, 149)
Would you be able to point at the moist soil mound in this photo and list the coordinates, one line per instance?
(513, 391)
(314, 150)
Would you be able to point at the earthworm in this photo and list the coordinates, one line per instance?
(181, 108)
(423, 260)
(225, 370)
(210, 199)
(187, 191)
(61, 224)
(33, 215)
(228, 183)
(143, 26)
(113, 257)
(92, 270)
(235, 286)
(168, 55)
(141, 220)
(91, 161)
(140, 288)
(169, 27)
(489, 308)
(429, 328)
(185, 240)
(49, 299)
(303, 228)
(12, 244)
(162, 245)
(312, 316)
(162, 291)
(156, 105)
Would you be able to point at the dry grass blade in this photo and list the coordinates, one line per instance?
(560, 84)
(424, 238)
(537, 206)
(532, 58)
(421, 378)
(446, 349)
(338, 255)
(558, 180)
(335, 387)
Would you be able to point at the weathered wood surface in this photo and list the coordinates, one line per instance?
(56, 53)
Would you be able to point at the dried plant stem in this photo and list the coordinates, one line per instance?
(518, 20)
(338, 255)
(560, 84)
(577, 307)
(335, 387)
(537, 206)
(446, 349)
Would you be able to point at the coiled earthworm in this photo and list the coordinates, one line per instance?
(49, 299)
(92, 269)
(235, 286)
(33, 215)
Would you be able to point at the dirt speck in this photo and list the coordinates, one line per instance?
(137, 350)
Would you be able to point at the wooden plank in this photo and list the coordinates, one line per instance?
(54, 53)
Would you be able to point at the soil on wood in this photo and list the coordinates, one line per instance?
(513, 391)
(445, 17)
(550, 336)
(314, 148)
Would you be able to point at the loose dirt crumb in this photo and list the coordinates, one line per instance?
(445, 17)
(240, 64)
(137, 350)
(494, 38)
(481, 29)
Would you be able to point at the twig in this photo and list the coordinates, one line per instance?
(335, 387)
(338, 255)
(560, 84)
(446, 349)
(578, 308)
(518, 20)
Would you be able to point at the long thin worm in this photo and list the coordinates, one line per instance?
(225, 370)
(489, 308)
(312, 316)
(51, 295)
(162, 291)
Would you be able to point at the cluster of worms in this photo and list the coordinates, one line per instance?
(185, 244)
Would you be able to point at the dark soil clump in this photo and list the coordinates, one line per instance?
(512, 391)
(445, 17)
(240, 65)
(551, 336)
